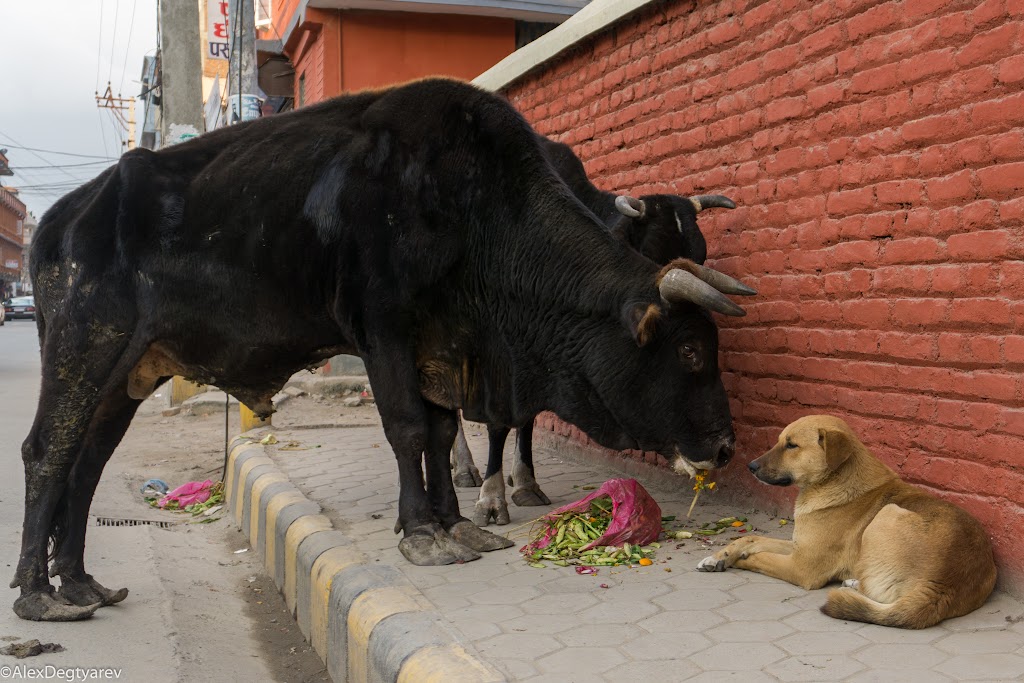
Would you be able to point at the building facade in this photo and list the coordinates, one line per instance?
(338, 46)
(12, 226)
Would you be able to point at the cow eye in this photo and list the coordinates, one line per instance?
(688, 352)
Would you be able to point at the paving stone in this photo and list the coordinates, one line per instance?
(780, 590)
(599, 635)
(731, 676)
(617, 611)
(541, 623)
(724, 656)
(559, 604)
(902, 656)
(681, 621)
(748, 631)
(695, 599)
(504, 596)
(898, 676)
(821, 643)
(812, 620)
(884, 634)
(979, 642)
(580, 661)
(664, 645)
(514, 669)
(653, 671)
(998, 667)
(991, 615)
(757, 610)
(525, 646)
(815, 668)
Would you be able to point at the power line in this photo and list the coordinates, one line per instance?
(87, 163)
(113, 42)
(131, 27)
(36, 155)
(51, 151)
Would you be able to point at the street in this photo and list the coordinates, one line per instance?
(196, 610)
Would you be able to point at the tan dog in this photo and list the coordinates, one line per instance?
(906, 558)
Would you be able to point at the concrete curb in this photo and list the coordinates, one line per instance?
(367, 622)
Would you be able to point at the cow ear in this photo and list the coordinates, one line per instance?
(641, 321)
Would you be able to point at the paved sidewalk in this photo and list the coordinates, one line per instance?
(666, 622)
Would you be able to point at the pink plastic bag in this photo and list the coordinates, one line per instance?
(636, 517)
(188, 494)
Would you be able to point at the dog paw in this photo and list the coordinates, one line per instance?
(711, 564)
(851, 583)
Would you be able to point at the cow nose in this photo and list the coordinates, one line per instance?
(726, 449)
(754, 466)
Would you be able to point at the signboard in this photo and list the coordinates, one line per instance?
(251, 108)
(217, 46)
(212, 109)
(9, 263)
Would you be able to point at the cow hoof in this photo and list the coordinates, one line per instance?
(468, 479)
(487, 509)
(89, 592)
(45, 606)
(530, 496)
(469, 534)
(431, 546)
(711, 564)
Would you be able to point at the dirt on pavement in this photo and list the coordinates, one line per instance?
(254, 634)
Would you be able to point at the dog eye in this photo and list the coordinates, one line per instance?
(790, 444)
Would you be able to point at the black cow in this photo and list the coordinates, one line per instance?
(419, 227)
(662, 227)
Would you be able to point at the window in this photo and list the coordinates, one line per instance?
(263, 13)
(302, 89)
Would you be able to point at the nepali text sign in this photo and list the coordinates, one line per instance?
(217, 29)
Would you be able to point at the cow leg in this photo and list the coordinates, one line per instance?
(392, 372)
(465, 473)
(78, 362)
(491, 504)
(526, 491)
(107, 430)
(441, 492)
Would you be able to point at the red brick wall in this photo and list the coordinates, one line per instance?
(876, 150)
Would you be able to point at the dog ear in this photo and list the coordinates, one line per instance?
(837, 444)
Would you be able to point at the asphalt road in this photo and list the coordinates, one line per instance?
(159, 632)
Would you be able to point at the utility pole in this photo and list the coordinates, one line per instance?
(118, 105)
(181, 80)
(243, 86)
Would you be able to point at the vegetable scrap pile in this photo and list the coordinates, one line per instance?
(573, 534)
(195, 498)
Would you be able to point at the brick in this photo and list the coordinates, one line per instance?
(980, 311)
(987, 47)
(915, 9)
(850, 201)
(873, 313)
(787, 108)
(913, 250)
(920, 312)
(1000, 113)
(978, 246)
(911, 346)
(969, 348)
(1013, 348)
(956, 187)
(1000, 180)
(1011, 69)
(929, 128)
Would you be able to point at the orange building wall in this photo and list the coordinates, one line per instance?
(381, 48)
(355, 50)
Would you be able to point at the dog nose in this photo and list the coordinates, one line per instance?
(726, 449)
(754, 466)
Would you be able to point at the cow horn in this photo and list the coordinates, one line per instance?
(722, 282)
(630, 206)
(705, 288)
(711, 201)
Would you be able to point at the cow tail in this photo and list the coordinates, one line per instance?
(917, 608)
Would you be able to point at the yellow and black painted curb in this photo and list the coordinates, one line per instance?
(367, 622)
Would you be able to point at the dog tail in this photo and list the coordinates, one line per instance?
(918, 608)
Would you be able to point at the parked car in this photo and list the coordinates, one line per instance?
(3, 314)
(20, 307)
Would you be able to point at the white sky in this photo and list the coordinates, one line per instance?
(54, 56)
